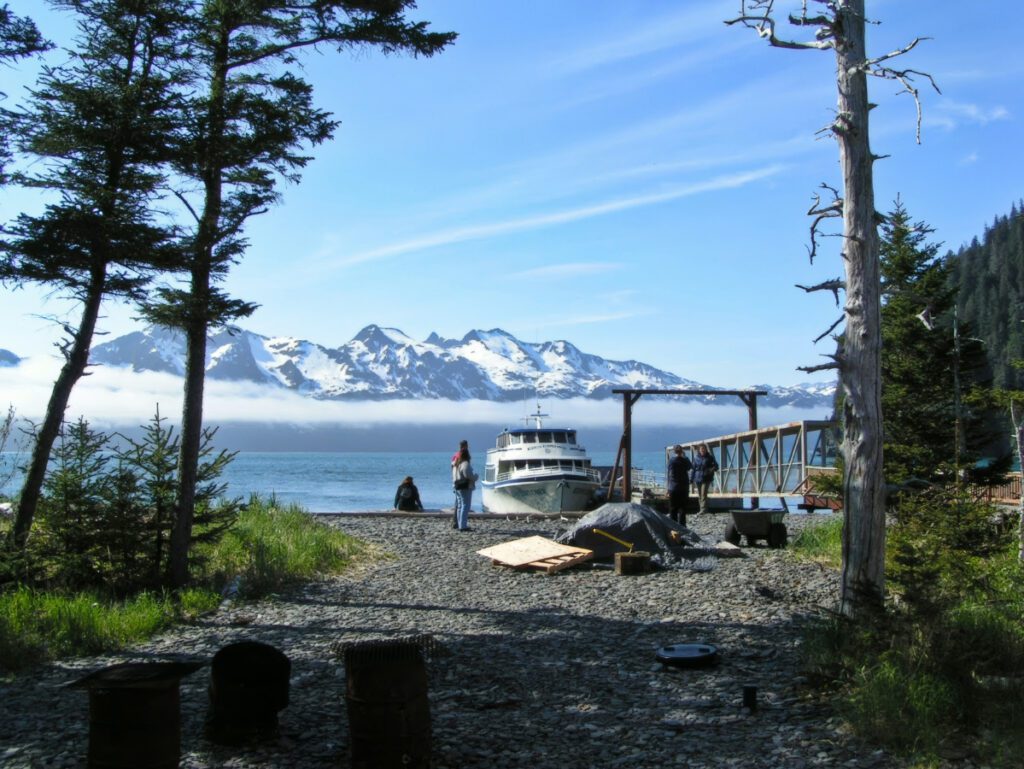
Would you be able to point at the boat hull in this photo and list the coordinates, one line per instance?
(549, 495)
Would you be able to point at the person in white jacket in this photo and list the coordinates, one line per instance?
(464, 481)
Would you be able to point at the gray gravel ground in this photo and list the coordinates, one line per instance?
(530, 669)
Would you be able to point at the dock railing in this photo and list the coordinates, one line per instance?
(768, 461)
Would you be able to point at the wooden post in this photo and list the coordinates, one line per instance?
(751, 400)
(627, 447)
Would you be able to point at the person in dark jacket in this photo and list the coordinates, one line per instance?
(677, 478)
(702, 474)
(407, 496)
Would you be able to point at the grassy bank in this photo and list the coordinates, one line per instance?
(268, 548)
(937, 676)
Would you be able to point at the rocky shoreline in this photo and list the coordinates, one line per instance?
(527, 669)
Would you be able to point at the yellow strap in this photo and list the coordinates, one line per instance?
(621, 542)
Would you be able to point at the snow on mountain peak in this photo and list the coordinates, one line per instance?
(384, 363)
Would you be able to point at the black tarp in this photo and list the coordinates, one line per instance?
(643, 528)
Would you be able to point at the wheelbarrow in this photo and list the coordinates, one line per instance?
(757, 524)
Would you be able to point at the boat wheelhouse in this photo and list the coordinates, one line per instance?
(538, 470)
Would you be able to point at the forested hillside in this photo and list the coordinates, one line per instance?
(989, 277)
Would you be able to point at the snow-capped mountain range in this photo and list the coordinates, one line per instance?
(384, 363)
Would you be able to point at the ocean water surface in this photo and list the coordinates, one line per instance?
(347, 482)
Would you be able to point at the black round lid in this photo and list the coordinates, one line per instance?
(688, 655)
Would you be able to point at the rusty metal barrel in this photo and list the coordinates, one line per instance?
(248, 686)
(388, 709)
(135, 715)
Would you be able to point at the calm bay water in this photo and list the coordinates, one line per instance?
(346, 482)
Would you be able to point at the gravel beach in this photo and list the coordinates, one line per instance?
(528, 669)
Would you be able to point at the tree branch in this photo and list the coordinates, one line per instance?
(829, 330)
(184, 201)
(834, 285)
(820, 213)
(905, 78)
(764, 25)
(832, 366)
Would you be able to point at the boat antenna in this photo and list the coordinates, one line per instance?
(537, 423)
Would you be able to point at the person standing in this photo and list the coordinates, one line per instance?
(703, 473)
(678, 481)
(463, 446)
(407, 496)
(464, 481)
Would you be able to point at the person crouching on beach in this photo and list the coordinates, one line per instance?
(464, 481)
(407, 496)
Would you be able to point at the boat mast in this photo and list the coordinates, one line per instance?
(537, 423)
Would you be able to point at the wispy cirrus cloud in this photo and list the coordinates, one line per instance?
(568, 270)
(950, 114)
(655, 34)
(522, 224)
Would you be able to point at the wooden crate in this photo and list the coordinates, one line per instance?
(633, 562)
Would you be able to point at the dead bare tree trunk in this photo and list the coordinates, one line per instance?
(841, 27)
(863, 579)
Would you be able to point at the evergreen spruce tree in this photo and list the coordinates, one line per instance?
(98, 131)
(917, 352)
(19, 37)
(251, 120)
(989, 278)
(935, 373)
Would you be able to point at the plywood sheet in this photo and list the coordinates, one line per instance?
(520, 552)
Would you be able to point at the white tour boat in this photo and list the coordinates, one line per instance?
(538, 470)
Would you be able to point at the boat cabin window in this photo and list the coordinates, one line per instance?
(529, 438)
(544, 437)
(560, 437)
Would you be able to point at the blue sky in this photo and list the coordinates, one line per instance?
(630, 176)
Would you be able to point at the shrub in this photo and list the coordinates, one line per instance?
(270, 547)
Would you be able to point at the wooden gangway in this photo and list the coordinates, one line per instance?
(786, 460)
(775, 461)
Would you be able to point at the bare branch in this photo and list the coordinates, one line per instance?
(870, 63)
(820, 213)
(184, 202)
(835, 286)
(764, 25)
(832, 366)
(829, 330)
(905, 78)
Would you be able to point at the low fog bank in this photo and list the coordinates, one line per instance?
(259, 418)
(237, 436)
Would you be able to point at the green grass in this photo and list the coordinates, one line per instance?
(821, 542)
(37, 626)
(268, 548)
(930, 682)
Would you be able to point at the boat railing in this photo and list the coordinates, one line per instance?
(589, 474)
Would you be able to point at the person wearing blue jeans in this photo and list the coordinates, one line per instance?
(464, 481)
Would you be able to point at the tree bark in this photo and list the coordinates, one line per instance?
(75, 362)
(198, 323)
(863, 577)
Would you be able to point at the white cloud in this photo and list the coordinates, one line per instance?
(566, 216)
(654, 35)
(118, 397)
(950, 114)
(570, 270)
